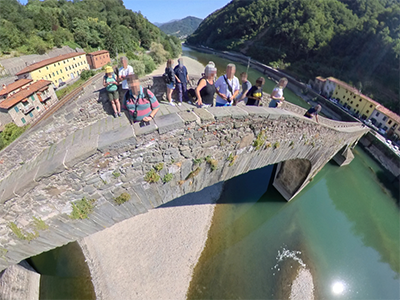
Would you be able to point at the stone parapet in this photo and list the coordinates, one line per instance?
(185, 151)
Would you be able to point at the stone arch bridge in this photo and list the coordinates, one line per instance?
(188, 150)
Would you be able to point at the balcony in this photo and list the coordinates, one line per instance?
(27, 109)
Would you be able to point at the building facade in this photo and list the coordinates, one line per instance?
(387, 121)
(98, 59)
(58, 69)
(25, 105)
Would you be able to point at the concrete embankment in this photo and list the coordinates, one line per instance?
(151, 256)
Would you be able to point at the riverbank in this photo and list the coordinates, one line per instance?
(151, 256)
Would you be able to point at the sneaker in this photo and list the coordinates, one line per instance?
(172, 103)
(115, 115)
(180, 103)
(119, 114)
(189, 102)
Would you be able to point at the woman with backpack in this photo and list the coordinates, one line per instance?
(111, 84)
(169, 77)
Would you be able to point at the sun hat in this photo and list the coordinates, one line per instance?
(109, 69)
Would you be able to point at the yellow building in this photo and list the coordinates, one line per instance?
(57, 69)
(350, 97)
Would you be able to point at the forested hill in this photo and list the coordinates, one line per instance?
(89, 24)
(181, 28)
(357, 41)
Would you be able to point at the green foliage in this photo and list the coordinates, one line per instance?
(10, 133)
(168, 177)
(86, 74)
(149, 65)
(39, 224)
(291, 144)
(198, 160)
(212, 162)
(106, 24)
(68, 89)
(122, 198)
(158, 54)
(260, 140)
(276, 145)
(116, 174)
(82, 208)
(159, 167)
(194, 173)
(22, 234)
(232, 159)
(152, 176)
(353, 40)
(139, 67)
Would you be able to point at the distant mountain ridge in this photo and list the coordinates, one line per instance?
(181, 28)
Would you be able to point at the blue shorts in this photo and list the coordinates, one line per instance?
(171, 86)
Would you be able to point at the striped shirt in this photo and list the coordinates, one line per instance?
(144, 104)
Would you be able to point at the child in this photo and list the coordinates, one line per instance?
(111, 84)
(254, 95)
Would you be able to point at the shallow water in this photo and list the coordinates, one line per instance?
(344, 227)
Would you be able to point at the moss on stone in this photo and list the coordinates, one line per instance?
(212, 162)
(82, 208)
(152, 176)
(124, 197)
(168, 177)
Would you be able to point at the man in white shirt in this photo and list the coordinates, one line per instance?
(227, 87)
(123, 72)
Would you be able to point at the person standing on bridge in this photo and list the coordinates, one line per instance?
(277, 93)
(123, 73)
(313, 111)
(170, 80)
(142, 104)
(227, 87)
(206, 89)
(111, 84)
(182, 79)
(255, 94)
(246, 86)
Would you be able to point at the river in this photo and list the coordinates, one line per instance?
(344, 227)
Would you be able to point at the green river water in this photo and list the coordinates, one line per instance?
(344, 227)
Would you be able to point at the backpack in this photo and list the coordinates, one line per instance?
(166, 78)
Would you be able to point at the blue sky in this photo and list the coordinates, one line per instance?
(162, 11)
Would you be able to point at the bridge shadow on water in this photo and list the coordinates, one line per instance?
(246, 188)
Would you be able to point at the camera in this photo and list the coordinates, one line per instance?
(134, 114)
(144, 123)
(229, 99)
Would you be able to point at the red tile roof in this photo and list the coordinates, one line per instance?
(14, 86)
(24, 93)
(352, 89)
(48, 61)
(98, 52)
(388, 113)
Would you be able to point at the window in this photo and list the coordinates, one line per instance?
(33, 98)
(58, 63)
(16, 108)
(74, 58)
(377, 114)
(49, 76)
(384, 118)
(344, 97)
(370, 106)
(37, 108)
(367, 111)
(54, 64)
(40, 71)
(23, 120)
(66, 69)
(57, 72)
(347, 92)
(359, 99)
(61, 71)
(31, 114)
(70, 67)
(54, 74)
(351, 101)
(47, 68)
(390, 122)
(357, 105)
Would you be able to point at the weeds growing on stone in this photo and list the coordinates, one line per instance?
(159, 167)
(152, 176)
(276, 145)
(22, 234)
(82, 208)
(122, 198)
(168, 177)
(232, 159)
(212, 162)
(198, 160)
(116, 174)
(291, 144)
(3, 253)
(193, 173)
(260, 140)
(39, 224)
